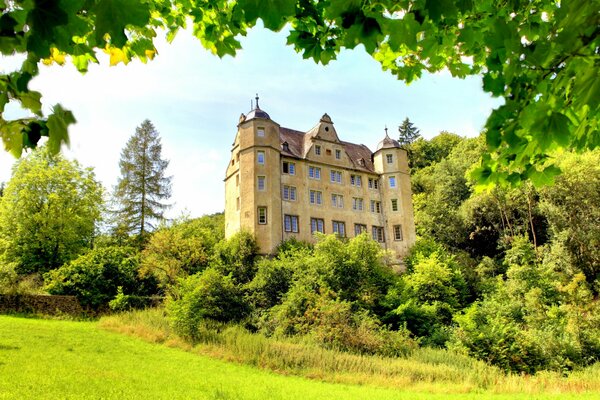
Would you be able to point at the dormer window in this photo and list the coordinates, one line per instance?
(260, 132)
(286, 146)
(361, 162)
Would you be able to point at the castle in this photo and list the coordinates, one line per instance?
(282, 183)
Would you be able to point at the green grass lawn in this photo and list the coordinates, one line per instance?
(50, 359)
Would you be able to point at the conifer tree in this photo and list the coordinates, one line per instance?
(143, 186)
(408, 133)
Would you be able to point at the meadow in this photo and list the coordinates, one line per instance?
(56, 359)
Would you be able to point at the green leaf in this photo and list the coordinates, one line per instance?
(58, 124)
(32, 101)
(113, 16)
(274, 13)
(493, 85)
(544, 177)
(559, 128)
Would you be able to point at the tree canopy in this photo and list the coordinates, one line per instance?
(143, 185)
(541, 56)
(48, 213)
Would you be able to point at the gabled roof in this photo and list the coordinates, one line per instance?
(298, 144)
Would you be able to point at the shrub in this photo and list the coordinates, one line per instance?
(96, 276)
(206, 295)
(236, 256)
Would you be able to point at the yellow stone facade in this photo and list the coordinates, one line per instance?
(281, 183)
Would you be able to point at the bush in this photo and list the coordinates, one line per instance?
(236, 256)
(96, 277)
(206, 295)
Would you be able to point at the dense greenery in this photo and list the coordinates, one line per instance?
(143, 185)
(540, 56)
(48, 212)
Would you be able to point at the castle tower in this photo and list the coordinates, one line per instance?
(253, 179)
(391, 162)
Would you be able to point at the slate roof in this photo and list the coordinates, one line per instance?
(298, 142)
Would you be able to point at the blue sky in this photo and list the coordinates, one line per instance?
(194, 99)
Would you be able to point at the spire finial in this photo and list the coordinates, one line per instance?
(257, 101)
(386, 133)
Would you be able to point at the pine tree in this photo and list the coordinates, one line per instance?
(143, 186)
(408, 133)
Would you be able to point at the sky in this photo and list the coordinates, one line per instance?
(194, 99)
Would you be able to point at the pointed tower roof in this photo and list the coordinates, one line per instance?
(256, 112)
(387, 142)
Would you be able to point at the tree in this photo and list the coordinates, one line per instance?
(48, 213)
(540, 56)
(143, 184)
(408, 132)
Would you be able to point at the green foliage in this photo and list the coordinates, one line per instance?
(272, 281)
(572, 207)
(48, 213)
(408, 133)
(540, 57)
(537, 318)
(206, 295)
(182, 249)
(423, 153)
(96, 277)
(143, 185)
(236, 256)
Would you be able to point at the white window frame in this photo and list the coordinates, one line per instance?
(315, 224)
(357, 204)
(335, 176)
(259, 179)
(290, 223)
(339, 227)
(355, 180)
(378, 234)
(260, 132)
(373, 183)
(398, 237)
(338, 154)
(291, 168)
(389, 158)
(315, 197)
(395, 205)
(288, 193)
(337, 200)
(317, 150)
(315, 171)
(262, 215)
(359, 228)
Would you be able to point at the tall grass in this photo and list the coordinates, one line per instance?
(425, 369)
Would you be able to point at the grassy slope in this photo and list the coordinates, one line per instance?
(47, 359)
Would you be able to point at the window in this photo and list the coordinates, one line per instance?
(328, 152)
(260, 157)
(389, 158)
(260, 132)
(394, 204)
(260, 182)
(290, 223)
(314, 172)
(316, 197)
(237, 180)
(237, 204)
(317, 150)
(262, 215)
(338, 154)
(375, 206)
(289, 193)
(339, 228)
(373, 183)
(359, 228)
(355, 180)
(392, 181)
(378, 234)
(336, 176)
(398, 232)
(357, 204)
(289, 168)
(337, 200)
(317, 225)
